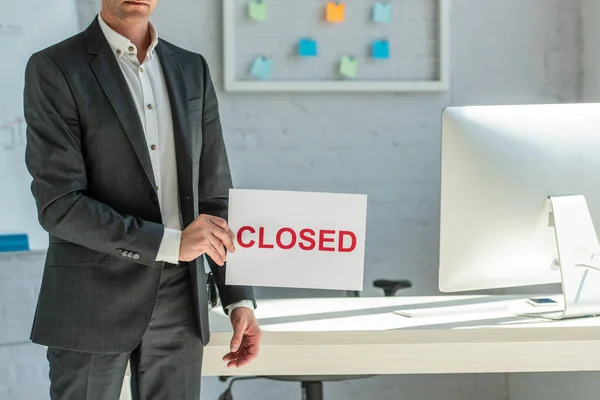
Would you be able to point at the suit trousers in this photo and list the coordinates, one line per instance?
(166, 365)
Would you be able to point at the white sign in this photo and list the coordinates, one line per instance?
(297, 239)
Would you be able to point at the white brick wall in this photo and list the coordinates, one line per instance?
(23, 372)
(591, 49)
(384, 145)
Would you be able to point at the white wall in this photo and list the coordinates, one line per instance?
(384, 145)
(573, 385)
(591, 49)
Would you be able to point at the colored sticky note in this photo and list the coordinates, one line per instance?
(382, 12)
(307, 47)
(381, 49)
(348, 66)
(257, 10)
(262, 67)
(335, 11)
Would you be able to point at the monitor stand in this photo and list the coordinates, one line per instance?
(578, 259)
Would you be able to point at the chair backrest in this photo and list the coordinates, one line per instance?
(389, 287)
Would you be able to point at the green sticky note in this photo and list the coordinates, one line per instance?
(257, 10)
(348, 66)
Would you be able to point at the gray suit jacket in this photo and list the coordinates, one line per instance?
(95, 190)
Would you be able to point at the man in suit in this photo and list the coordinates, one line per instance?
(131, 178)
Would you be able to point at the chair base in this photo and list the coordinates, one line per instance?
(312, 385)
(312, 391)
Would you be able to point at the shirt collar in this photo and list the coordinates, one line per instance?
(120, 45)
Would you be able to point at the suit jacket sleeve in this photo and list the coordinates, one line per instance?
(214, 185)
(55, 161)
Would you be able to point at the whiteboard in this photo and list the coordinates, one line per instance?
(25, 27)
(418, 35)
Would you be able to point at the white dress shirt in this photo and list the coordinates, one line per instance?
(149, 90)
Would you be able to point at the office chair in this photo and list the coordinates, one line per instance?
(312, 385)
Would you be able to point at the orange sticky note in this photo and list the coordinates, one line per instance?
(335, 11)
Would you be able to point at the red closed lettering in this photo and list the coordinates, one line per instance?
(306, 239)
(261, 239)
(292, 241)
(352, 246)
(323, 240)
(241, 232)
(304, 236)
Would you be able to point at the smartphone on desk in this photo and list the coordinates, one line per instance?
(541, 301)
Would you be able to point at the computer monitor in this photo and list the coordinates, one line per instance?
(516, 185)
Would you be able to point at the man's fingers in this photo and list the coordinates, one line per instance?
(212, 252)
(232, 237)
(220, 222)
(214, 255)
(216, 244)
(240, 362)
(241, 358)
(234, 356)
(224, 238)
(236, 340)
(231, 356)
(253, 350)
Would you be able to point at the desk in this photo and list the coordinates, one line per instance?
(363, 336)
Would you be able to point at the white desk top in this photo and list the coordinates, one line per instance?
(360, 336)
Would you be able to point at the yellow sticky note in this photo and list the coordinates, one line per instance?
(335, 11)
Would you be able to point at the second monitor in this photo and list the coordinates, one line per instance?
(518, 184)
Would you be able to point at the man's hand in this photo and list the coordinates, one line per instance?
(246, 338)
(207, 234)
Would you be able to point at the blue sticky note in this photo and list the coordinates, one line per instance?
(381, 49)
(307, 48)
(262, 67)
(14, 242)
(382, 12)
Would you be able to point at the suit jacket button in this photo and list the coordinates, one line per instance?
(136, 256)
(119, 251)
(125, 253)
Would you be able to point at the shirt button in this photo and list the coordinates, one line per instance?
(118, 51)
(149, 106)
(157, 187)
(153, 147)
(141, 69)
(131, 48)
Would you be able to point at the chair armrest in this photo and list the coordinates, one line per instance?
(390, 287)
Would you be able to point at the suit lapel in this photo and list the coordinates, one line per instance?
(175, 81)
(110, 77)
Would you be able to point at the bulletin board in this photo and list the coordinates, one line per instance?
(336, 46)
